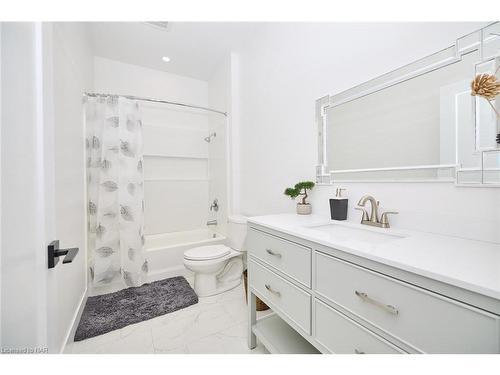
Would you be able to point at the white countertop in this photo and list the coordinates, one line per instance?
(468, 264)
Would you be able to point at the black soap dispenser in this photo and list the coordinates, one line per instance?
(338, 206)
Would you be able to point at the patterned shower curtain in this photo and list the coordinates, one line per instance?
(115, 191)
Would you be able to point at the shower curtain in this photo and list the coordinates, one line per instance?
(115, 191)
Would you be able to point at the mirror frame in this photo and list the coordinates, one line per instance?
(472, 42)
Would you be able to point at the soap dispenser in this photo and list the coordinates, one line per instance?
(338, 205)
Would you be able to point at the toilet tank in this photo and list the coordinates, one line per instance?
(237, 232)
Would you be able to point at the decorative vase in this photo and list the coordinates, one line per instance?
(304, 209)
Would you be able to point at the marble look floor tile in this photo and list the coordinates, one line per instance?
(190, 326)
(216, 324)
(231, 340)
(178, 350)
(136, 341)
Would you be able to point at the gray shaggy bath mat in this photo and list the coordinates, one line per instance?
(112, 311)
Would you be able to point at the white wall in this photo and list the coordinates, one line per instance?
(176, 158)
(72, 76)
(285, 68)
(42, 163)
(23, 318)
(219, 97)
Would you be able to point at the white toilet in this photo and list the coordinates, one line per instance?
(218, 268)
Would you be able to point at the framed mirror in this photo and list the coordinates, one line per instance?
(417, 123)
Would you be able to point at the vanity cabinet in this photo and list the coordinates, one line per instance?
(338, 306)
(342, 335)
(288, 257)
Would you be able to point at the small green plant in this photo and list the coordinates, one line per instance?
(300, 189)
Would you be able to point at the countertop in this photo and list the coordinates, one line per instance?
(468, 264)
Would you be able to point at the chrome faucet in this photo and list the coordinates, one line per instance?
(373, 220)
(211, 222)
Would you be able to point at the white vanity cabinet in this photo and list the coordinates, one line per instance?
(325, 302)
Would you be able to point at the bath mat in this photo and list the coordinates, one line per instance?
(108, 312)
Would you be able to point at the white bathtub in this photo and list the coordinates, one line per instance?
(165, 252)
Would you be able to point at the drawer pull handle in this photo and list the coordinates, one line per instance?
(357, 351)
(389, 308)
(270, 252)
(275, 292)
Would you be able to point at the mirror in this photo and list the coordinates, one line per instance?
(417, 123)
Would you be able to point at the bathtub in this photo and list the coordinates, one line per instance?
(165, 252)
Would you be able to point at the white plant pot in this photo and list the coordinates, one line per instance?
(304, 209)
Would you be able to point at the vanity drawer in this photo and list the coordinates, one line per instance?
(424, 320)
(282, 295)
(342, 335)
(288, 257)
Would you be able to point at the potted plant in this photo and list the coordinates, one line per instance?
(301, 188)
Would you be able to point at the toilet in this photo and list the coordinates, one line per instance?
(218, 268)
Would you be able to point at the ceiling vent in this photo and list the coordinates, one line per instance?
(160, 25)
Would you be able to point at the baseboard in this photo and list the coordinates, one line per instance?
(76, 319)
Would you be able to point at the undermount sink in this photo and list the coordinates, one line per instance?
(344, 233)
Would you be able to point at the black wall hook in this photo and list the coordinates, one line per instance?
(54, 253)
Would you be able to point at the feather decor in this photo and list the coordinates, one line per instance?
(486, 86)
(128, 278)
(113, 121)
(105, 251)
(92, 208)
(126, 149)
(105, 164)
(109, 186)
(126, 213)
(95, 142)
(100, 230)
(110, 214)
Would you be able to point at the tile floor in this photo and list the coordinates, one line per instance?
(215, 325)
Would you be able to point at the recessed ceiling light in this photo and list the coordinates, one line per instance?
(166, 58)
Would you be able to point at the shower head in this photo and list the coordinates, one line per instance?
(210, 136)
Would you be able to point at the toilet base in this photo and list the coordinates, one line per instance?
(207, 284)
(205, 288)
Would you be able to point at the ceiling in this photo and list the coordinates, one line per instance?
(195, 48)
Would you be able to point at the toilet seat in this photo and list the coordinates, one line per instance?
(207, 252)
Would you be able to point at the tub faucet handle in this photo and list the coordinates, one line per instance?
(215, 205)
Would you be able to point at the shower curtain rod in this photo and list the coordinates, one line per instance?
(132, 97)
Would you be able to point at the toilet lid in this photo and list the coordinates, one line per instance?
(207, 252)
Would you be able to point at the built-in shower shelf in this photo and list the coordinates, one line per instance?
(176, 156)
(174, 126)
(177, 179)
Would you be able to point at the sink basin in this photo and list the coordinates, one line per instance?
(344, 233)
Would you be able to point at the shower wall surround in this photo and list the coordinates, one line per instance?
(183, 173)
(176, 165)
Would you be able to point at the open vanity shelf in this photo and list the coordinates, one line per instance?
(279, 338)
